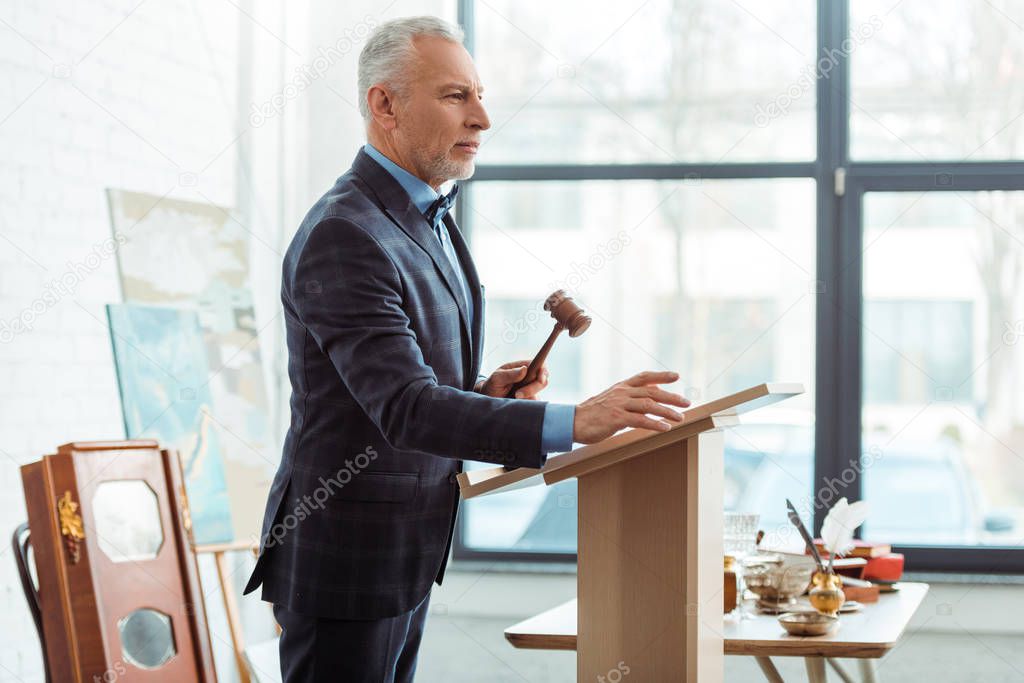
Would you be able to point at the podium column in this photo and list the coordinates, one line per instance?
(650, 565)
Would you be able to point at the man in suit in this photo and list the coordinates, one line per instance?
(383, 312)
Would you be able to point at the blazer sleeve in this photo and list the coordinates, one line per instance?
(347, 291)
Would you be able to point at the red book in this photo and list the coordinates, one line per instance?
(886, 568)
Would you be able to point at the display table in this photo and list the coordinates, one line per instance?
(866, 635)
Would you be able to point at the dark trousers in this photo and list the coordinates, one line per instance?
(316, 650)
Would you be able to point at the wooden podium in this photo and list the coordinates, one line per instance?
(649, 577)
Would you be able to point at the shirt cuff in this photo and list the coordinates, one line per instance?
(556, 434)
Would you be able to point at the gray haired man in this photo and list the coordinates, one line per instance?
(384, 316)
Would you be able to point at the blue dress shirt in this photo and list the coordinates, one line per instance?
(556, 434)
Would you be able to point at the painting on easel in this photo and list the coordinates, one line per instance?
(163, 379)
(209, 248)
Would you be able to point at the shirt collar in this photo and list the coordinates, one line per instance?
(421, 194)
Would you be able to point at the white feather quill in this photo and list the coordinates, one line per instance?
(839, 525)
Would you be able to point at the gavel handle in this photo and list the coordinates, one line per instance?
(537, 362)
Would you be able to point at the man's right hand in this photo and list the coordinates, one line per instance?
(628, 404)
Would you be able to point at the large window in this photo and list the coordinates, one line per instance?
(943, 407)
(747, 192)
(957, 95)
(659, 81)
(714, 279)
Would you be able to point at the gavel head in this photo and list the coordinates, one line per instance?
(567, 314)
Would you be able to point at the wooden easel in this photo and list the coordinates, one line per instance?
(219, 552)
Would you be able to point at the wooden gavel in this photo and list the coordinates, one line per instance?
(568, 316)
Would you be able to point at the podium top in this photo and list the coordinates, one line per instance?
(715, 414)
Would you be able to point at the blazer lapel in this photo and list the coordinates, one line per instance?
(415, 225)
(405, 215)
(473, 284)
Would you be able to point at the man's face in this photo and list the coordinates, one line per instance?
(440, 117)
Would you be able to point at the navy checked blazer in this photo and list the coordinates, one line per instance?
(382, 362)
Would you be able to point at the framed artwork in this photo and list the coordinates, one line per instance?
(209, 250)
(165, 395)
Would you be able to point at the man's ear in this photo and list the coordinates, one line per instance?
(382, 106)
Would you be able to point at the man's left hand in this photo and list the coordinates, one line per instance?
(502, 379)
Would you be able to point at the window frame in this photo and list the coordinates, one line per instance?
(841, 184)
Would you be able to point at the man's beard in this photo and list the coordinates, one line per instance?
(440, 165)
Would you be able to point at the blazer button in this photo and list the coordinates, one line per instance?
(453, 477)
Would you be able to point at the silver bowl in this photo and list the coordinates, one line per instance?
(808, 623)
(777, 579)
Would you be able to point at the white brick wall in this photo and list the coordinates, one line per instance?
(131, 95)
(151, 100)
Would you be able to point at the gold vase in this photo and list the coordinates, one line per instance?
(827, 594)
